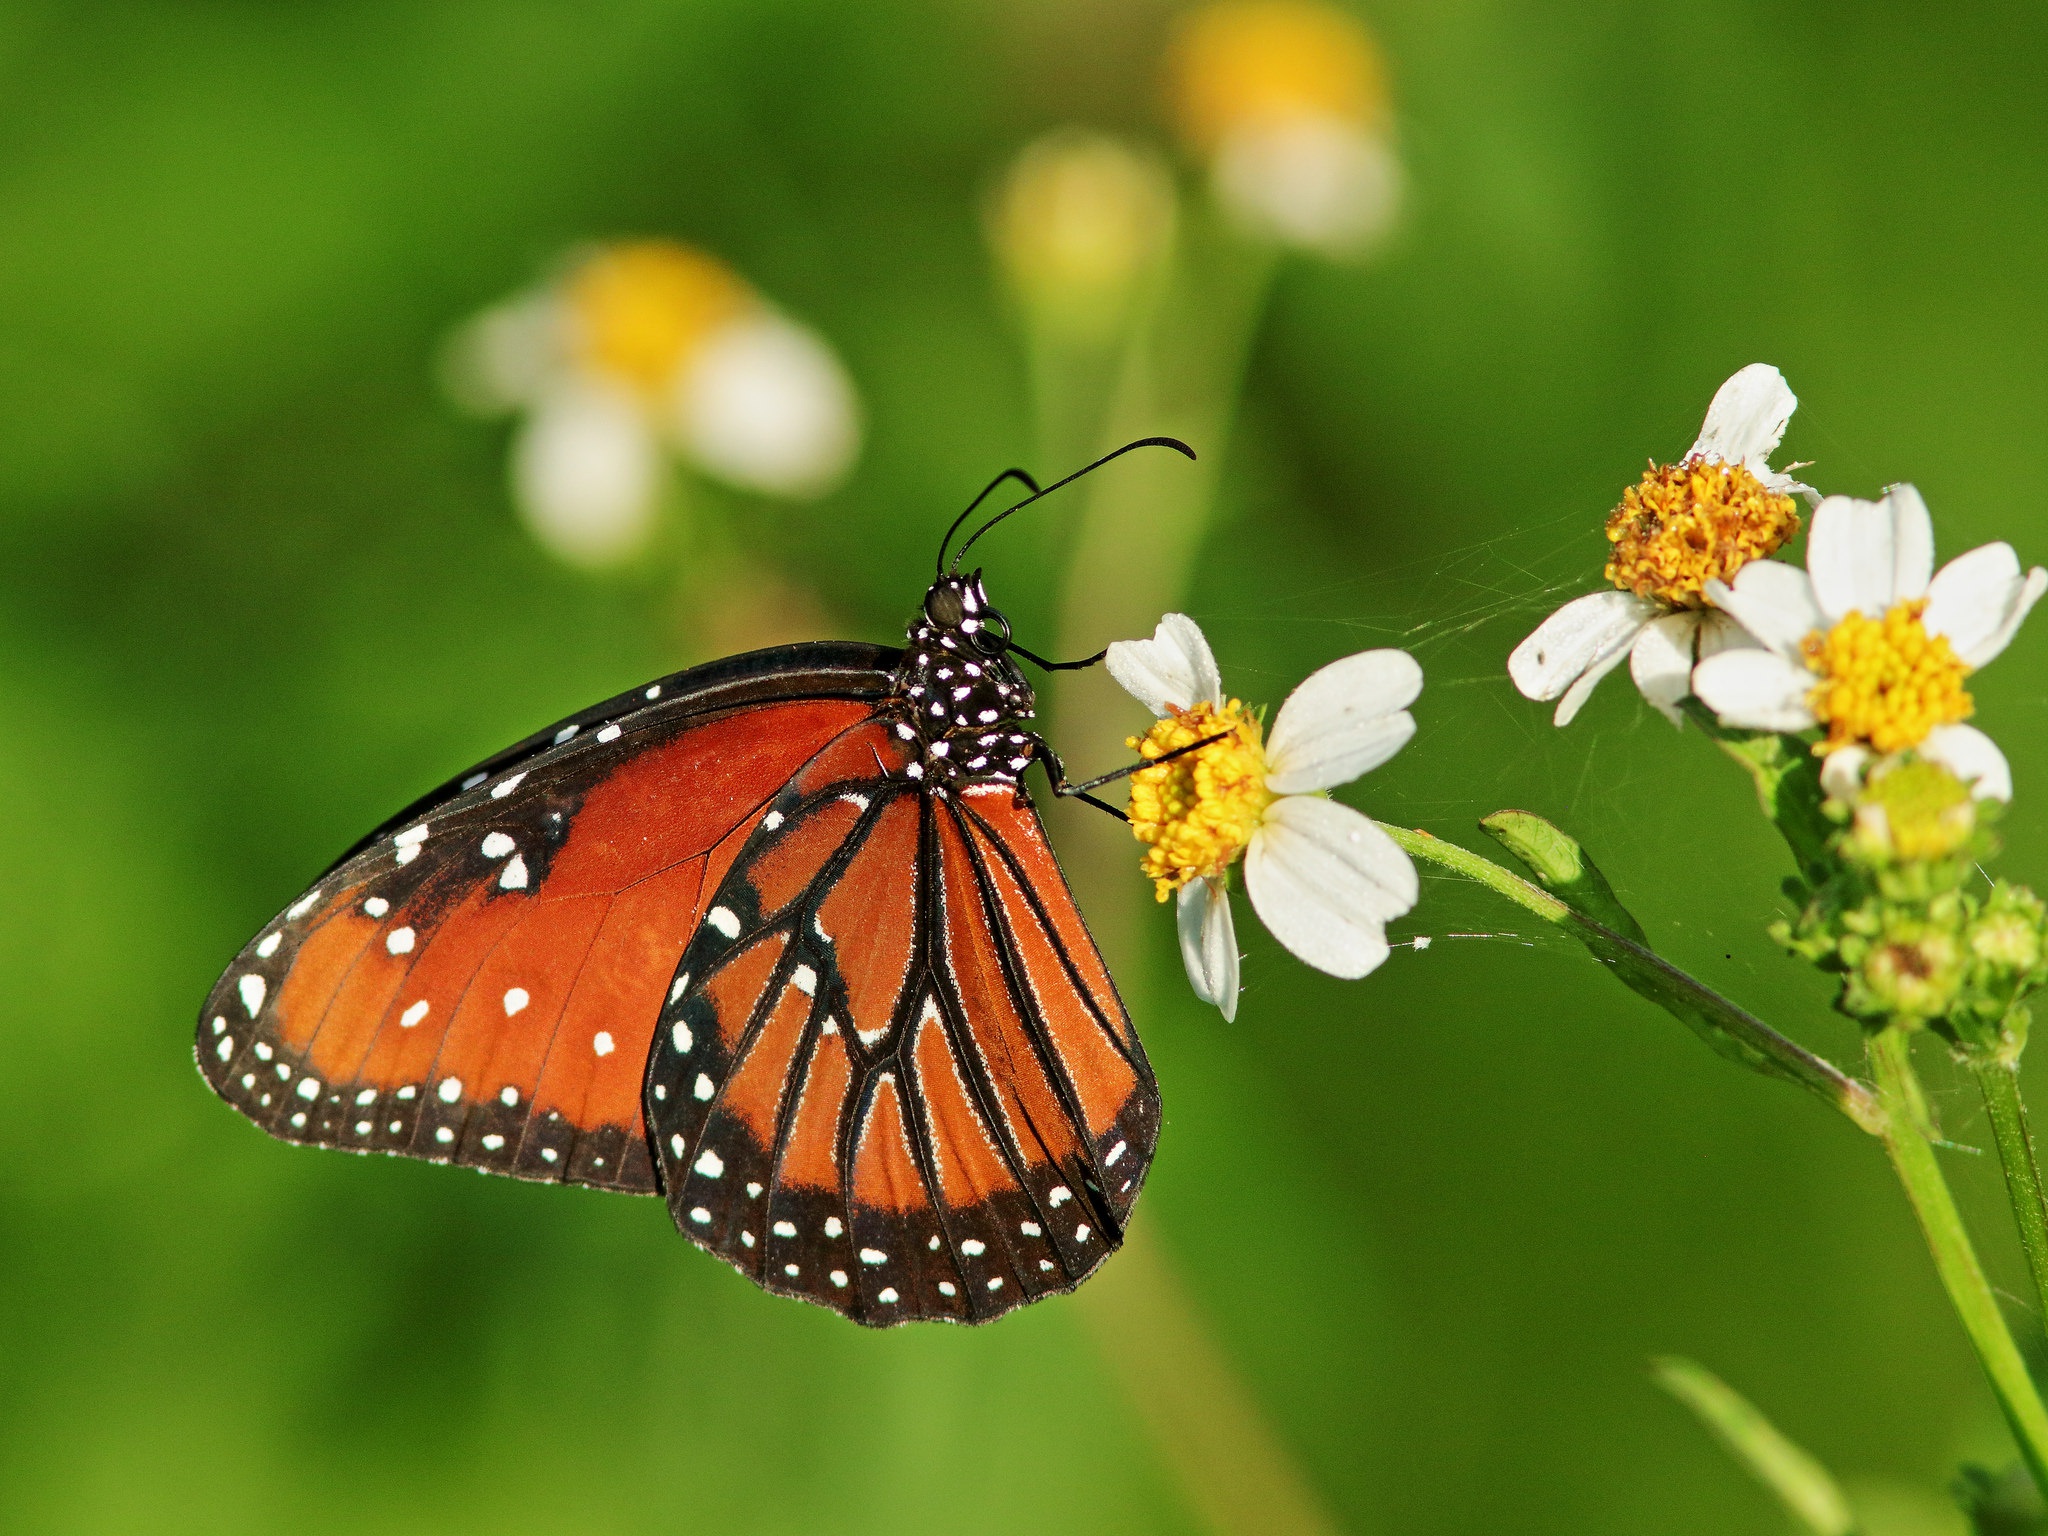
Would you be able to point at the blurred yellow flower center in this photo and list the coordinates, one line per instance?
(1251, 63)
(641, 308)
(1198, 811)
(1915, 810)
(1080, 219)
(1885, 681)
(1683, 525)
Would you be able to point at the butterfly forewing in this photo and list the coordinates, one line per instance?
(481, 984)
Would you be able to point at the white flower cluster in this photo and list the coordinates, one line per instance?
(1869, 642)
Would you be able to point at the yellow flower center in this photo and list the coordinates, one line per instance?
(640, 308)
(1683, 525)
(1198, 811)
(1885, 681)
(1250, 63)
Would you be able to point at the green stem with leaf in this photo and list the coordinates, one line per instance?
(1895, 1112)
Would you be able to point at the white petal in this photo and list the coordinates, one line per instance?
(1979, 599)
(1755, 690)
(507, 356)
(1309, 180)
(1912, 542)
(1719, 632)
(1661, 661)
(1972, 757)
(1326, 881)
(765, 405)
(1344, 720)
(585, 470)
(1746, 421)
(1208, 943)
(1588, 634)
(1841, 772)
(1865, 556)
(1175, 667)
(1773, 601)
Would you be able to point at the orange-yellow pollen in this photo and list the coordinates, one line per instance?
(640, 308)
(1885, 681)
(1197, 812)
(1683, 525)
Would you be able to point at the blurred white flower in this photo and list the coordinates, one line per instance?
(1323, 878)
(1081, 223)
(1872, 642)
(1678, 528)
(637, 350)
(1286, 102)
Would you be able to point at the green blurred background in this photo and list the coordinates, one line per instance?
(258, 586)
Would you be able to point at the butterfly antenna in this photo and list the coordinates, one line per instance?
(1144, 442)
(1022, 476)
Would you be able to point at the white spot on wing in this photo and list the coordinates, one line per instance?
(832, 1226)
(376, 906)
(680, 1034)
(450, 1089)
(299, 908)
(399, 941)
(497, 845)
(873, 1256)
(565, 733)
(974, 1247)
(705, 1088)
(509, 1097)
(514, 878)
(609, 733)
(516, 998)
(601, 1042)
(711, 1165)
(505, 786)
(785, 1229)
(805, 980)
(269, 946)
(1060, 1195)
(252, 988)
(723, 920)
(413, 1015)
(411, 835)
(493, 1142)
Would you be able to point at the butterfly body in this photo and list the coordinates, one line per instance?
(779, 938)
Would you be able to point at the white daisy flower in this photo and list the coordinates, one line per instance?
(638, 350)
(1322, 877)
(1679, 528)
(1286, 101)
(1871, 642)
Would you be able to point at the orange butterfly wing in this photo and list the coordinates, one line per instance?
(893, 1076)
(479, 983)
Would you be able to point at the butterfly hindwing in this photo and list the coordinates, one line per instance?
(882, 1082)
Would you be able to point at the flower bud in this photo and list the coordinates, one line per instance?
(1286, 101)
(1908, 810)
(1910, 974)
(1081, 223)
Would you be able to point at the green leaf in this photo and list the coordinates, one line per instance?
(1802, 1484)
(1562, 867)
(1555, 856)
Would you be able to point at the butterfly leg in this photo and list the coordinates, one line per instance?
(1069, 790)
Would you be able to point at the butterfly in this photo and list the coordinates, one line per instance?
(778, 938)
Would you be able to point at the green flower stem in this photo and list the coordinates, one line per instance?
(1955, 1260)
(1730, 1030)
(1999, 1082)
